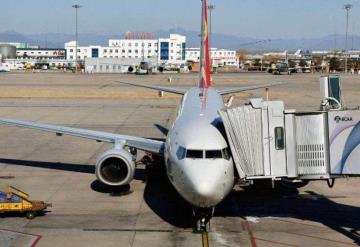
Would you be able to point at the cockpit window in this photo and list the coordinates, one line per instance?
(180, 153)
(213, 154)
(199, 154)
(226, 153)
(194, 154)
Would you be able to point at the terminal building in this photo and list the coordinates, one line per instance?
(172, 50)
(166, 50)
(119, 55)
(219, 57)
(40, 53)
(18, 55)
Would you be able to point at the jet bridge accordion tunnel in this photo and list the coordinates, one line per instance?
(269, 142)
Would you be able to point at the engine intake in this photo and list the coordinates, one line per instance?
(115, 167)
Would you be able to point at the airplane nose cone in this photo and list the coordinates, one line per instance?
(203, 189)
(206, 195)
(205, 183)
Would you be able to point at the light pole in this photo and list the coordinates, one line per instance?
(347, 7)
(76, 7)
(210, 7)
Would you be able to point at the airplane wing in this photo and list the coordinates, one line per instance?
(144, 144)
(180, 91)
(247, 88)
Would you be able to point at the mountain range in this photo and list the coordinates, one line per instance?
(57, 40)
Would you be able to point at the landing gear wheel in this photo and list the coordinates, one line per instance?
(207, 227)
(30, 215)
(202, 225)
(203, 217)
(198, 226)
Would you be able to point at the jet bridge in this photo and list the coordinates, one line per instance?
(269, 142)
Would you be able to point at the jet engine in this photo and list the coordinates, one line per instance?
(115, 167)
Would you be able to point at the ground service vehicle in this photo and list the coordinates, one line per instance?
(13, 200)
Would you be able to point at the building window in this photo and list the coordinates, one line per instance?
(164, 50)
(116, 51)
(95, 52)
(105, 50)
(71, 50)
(183, 51)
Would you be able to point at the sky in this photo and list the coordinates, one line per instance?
(245, 18)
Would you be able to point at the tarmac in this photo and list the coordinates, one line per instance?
(60, 170)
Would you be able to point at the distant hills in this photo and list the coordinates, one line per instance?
(57, 40)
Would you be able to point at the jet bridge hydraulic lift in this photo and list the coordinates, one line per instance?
(269, 142)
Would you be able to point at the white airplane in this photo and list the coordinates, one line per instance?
(4, 67)
(197, 157)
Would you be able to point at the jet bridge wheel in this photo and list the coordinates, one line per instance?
(203, 217)
(292, 184)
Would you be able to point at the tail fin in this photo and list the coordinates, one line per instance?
(205, 74)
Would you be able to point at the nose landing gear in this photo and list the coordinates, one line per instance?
(203, 217)
(202, 225)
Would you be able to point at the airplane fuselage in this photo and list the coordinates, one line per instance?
(197, 156)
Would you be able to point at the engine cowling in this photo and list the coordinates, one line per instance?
(115, 167)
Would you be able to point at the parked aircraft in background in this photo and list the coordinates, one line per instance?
(4, 67)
